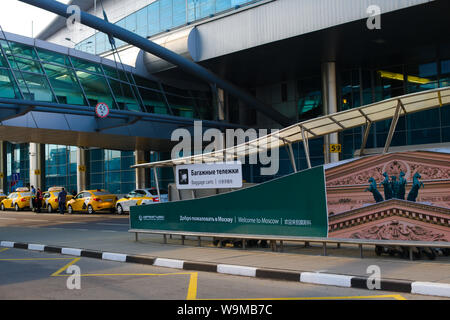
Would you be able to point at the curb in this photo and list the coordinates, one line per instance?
(413, 287)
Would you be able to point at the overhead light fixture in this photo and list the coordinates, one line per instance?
(400, 77)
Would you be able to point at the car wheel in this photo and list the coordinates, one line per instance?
(16, 207)
(119, 209)
(69, 209)
(49, 209)
(3, 207)
(90, 209)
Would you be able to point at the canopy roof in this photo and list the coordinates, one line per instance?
(320, 126)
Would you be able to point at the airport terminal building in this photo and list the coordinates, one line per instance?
(301, 58)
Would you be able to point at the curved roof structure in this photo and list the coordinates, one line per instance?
(300, 132)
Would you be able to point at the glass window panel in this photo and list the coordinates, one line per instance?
(101, 43)
(424, 136)
(445, 116)
(96, 88)
(206, 8)
(65, 84)
(422, 77)
(165, 14)
(153, 18)
(181, 106)
(389, 83)
(141, 22)
(424, 119)
(238, 2)
(3, 62)
(117, 73)
(124, 95)
(87, 45)
(96, 166)
(34, 87)
(25, 64)
(127, 162)
(153, 101)
(112, 177)
(222, 5)
(445, 73)
(86, 65)
(179, 12)
(53, 57)
(192, 10)
(8, 88)
(97, 179)
(446, 134)
(146, 83)
(127, 176)
(121, 24)
(18, 49)
(130, 22)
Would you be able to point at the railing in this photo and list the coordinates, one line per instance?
(307, 240)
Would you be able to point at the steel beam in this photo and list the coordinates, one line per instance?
(366, 136)
(306, 147)
(393, 126)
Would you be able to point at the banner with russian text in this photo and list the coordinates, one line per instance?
(293, 205)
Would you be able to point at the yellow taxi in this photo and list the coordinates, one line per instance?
(140, 197)
(91, 201)
(2, 195)
(17, 200)
(50, 199)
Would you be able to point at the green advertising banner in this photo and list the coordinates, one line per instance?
(293, 205)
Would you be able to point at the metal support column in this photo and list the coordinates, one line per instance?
(306, 147)
(329, 89)
(366, 136)
(393, 126)
(291, 157)
(81, 170)
(35, 165)
(157, 183)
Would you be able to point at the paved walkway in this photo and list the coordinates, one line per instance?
(343, 261)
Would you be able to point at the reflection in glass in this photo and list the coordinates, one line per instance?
(65, 85)
(96, 88)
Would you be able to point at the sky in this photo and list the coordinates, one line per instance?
(18, 17)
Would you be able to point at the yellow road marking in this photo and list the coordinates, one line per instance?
(33, 259)
(192, 289)
(4, 249)
(65, 267)
(123, 274)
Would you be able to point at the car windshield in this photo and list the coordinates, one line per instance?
(25, 194)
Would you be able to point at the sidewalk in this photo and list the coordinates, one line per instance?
(296, 258)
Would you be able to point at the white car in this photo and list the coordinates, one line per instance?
(140, 197)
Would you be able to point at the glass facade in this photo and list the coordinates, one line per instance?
(36, 74)
(360, 87)
(161, 16)
(60, 167)
(17, 166)
(110, 170)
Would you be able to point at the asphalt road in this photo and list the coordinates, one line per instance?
(80, 222)
(26, 274)
(33, 275)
